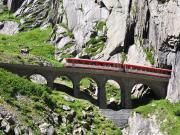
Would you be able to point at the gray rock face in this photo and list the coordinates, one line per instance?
(174, 85)
(36, 13)
(144, 126)
(137, 56)
(9, 27)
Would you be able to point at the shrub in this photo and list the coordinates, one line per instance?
(163, 1)
(149, 56)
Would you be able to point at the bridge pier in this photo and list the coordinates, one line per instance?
(126, 88)
(76, 87)
(159, 89)
(102, 95)
(50, 82)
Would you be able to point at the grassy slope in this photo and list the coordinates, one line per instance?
(7, 16)
(34, 40)
(167, 114)
(39, 97)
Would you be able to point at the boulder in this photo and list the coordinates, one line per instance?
(9, 28)
(71, 115)
(51, 131)
(79, 131)
(44, 128)
(24, 51)
(66, 108)
(17, 131)
(69, 99)
(55, 118)
(144, 126)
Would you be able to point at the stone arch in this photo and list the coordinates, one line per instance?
(89, 87)
(63, 83)
(142, 93)
(140, 90)
(113, 94)
(38, 78)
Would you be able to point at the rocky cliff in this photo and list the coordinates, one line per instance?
(142, 32)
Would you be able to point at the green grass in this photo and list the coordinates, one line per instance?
(112, 91)
(7, 16)
(35, 40)
(167, 114)
(35, 98)
(149, 56)
(100, 25)
(123, 57)
(95, 45)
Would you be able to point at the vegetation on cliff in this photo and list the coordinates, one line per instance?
(167, 115)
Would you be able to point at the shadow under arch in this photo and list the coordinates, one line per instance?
(64, 84)
(38, 78)
(89, 89)
(142, 94)
(113, 94)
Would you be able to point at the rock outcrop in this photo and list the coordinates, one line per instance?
(9, 27)
(142, 126)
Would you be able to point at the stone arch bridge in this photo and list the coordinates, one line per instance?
(126, 80)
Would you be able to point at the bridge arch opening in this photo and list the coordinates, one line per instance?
(113, 94)
(64, 84)
(39, 79)
(142, 94)
(89, 89)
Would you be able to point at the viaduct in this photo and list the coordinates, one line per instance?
(126, 80)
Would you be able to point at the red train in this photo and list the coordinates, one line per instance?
(112, 66)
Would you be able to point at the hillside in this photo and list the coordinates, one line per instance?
(28, 108)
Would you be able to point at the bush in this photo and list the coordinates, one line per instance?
(149, 56)
(95, 45)
(163, 1)
(100, 25)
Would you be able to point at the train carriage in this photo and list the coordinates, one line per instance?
(113, 66)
